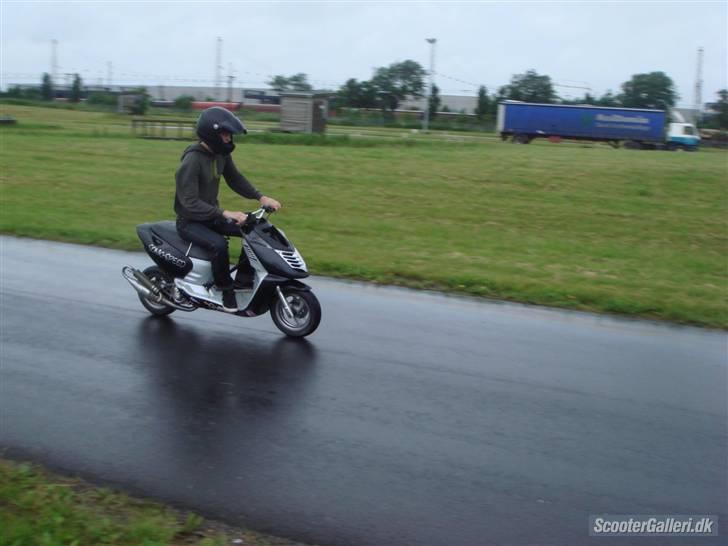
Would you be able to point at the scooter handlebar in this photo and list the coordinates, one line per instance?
(258, 214)
(252, 217)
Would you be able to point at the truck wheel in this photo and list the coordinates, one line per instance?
(521, 139)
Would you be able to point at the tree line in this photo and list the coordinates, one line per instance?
(399, 81)
(390, 85)
(403, 80)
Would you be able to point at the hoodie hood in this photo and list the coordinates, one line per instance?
(197, 147)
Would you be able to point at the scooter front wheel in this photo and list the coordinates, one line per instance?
(300, 316)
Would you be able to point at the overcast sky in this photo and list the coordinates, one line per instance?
(592, 44)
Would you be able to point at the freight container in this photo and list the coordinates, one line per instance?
(642, 128)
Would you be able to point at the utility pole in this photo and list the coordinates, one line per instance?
(230, 82)
(109, 72)
(218, 67)
(426, 118)
(54, 61)
(699, 86)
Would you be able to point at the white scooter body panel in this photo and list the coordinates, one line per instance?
(193, 284)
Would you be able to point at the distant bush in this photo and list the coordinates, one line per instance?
(269, 137)
(251, 115)
(46, 88)
(103, 99)
(21, 93)
(413, 120)
(142, 102)
(184, 102)
(40, 103)
(76, 89)
(21, 102)
(295, 139)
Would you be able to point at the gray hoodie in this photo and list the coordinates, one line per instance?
(198, 183)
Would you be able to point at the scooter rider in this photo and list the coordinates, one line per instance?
(199, 217)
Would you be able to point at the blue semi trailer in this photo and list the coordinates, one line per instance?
(640, 128)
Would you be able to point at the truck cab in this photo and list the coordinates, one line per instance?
(682, 136)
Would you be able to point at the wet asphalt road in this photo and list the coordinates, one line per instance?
(407, 419)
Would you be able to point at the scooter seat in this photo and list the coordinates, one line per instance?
(167, 231)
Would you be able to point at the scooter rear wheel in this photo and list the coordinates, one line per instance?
(305, 309)
(160, 279)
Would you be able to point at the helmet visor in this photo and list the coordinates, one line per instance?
(232, 125)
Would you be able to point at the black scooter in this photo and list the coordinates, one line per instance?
(182, 278)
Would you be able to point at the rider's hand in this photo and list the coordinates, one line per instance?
(237, 216)
(269, 202)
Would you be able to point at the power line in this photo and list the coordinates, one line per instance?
(474, 85)
(572, 86)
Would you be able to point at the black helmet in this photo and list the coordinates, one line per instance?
(214, 120)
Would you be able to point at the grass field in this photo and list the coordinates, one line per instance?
(39, 508)
(581, 227)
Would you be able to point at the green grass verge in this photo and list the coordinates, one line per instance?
(580, 227)
(39, 508)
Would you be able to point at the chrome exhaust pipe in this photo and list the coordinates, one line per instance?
(129, 273)
(146, 288)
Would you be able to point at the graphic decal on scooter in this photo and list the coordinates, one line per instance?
(166, 255)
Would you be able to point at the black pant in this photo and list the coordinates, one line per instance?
(210, 235)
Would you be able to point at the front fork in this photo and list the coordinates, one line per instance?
(282, 298)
